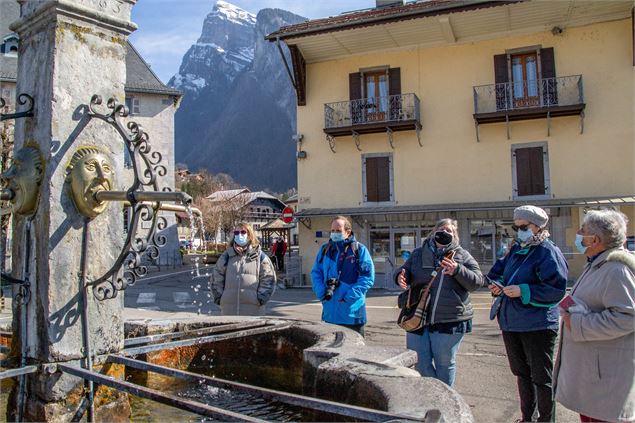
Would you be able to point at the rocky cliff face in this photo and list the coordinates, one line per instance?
(238, 113)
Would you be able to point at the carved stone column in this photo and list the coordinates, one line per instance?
(69, 50)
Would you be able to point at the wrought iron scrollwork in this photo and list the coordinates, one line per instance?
(331, 140)
(23, 99)
(147, 168)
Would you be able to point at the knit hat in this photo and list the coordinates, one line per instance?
(532, 214)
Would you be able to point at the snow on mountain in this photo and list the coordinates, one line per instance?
(232, 13)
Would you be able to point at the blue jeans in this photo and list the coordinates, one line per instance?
(436, 353)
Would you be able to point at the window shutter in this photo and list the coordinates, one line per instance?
(135, 105)
(548, 73)
(383, 179)
(501, 76)
(394, 81)
(371, 179)
(355, 85)
(530, 171)
(355, 93)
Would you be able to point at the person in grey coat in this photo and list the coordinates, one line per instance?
(594, 373)
(243, 279)
(449, 310)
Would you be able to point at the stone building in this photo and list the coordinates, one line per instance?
(151, 103)
(414, 111)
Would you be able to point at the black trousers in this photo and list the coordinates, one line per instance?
(530, 356)
(280, 262)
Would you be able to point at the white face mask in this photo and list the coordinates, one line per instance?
(524, 236)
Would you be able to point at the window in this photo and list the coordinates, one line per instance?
(530, 171)
(127, 160)
(132, 103)
(377, 178)
(7, 97)
(525, 77)
(371, 93)
(10, 45)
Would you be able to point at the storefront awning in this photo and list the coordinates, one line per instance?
(458, 207)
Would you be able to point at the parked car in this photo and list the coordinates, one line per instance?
(630, 243)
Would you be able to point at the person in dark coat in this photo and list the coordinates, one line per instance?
(449, 310)
(278, 249)
(529, 282)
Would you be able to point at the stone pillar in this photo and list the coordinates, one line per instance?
(69, 50)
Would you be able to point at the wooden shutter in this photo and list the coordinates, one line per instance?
(394, 89)
(530, 171)
(394, 81)
(383, 179)
(355, 86)
(371, 179)
(548, 70)
(355, 93)
(377, 179)
(501, 76)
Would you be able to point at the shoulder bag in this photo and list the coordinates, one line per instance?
(413, 310)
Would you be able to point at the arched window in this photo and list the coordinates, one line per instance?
(11, 45)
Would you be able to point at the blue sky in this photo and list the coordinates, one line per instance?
(167, 28)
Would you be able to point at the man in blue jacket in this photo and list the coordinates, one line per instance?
(342, 274)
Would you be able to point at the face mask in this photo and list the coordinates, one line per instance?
(337, 236)
(443, 238)
(524, 236)
(578, 243)
(241, 239)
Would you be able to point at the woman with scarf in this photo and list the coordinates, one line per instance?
(529, 282)
(453, 273)
(243, 279)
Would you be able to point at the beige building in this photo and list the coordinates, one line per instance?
(413, 112)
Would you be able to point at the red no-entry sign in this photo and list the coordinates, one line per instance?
(287, 215)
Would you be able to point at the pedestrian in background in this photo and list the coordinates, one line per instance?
(342, 274)
(278, 249)
(243, 279)
(530, 281)
(595, 368)
(449, 311)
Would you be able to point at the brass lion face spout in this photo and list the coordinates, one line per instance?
(22, 181)
(89, 172)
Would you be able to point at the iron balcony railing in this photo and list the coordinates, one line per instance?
(539, 93)
(387, 109)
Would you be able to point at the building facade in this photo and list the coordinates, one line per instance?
(414, 112)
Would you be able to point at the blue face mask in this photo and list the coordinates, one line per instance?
(578, 243)
(524, 236)
(337, 236)
(241, 239)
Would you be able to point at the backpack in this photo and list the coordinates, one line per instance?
(354, 246)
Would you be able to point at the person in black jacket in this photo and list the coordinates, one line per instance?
(449, 309)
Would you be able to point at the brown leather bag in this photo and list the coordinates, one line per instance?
(413, 314)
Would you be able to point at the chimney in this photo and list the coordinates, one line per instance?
(380, 4)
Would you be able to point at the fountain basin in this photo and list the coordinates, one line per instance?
(313, 359)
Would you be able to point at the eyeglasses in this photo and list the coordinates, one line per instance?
(520, 228)
(242, 232)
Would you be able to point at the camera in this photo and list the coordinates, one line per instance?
(331, 284)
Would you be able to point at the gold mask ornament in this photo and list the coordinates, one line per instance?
(89, 172)
(23, 178)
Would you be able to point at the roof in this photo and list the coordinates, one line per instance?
(380, 16)
(434, 208)
(276, 225)
(226, 194)
(141, 79)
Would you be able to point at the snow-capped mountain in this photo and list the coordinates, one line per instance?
(226, 45)
(239, 103)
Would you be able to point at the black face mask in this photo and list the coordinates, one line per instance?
(443, 238)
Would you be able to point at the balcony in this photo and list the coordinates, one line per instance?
(522, 100)
(372, 115)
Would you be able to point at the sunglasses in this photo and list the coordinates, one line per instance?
(242, 232)
(520, 228)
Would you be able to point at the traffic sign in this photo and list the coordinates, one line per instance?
(287, 215)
